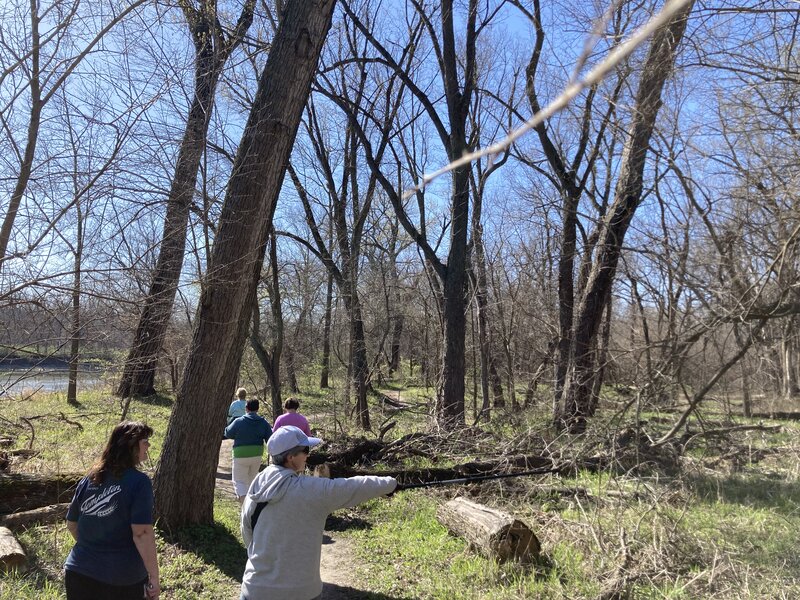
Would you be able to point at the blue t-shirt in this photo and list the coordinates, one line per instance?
(105, 550)
(236, 409)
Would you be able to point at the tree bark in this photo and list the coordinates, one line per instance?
(75, 333)
(21, 491)
(270, 359)
(496, 534)
(237, 257)
(54, 513)
(325, 361)
(34, 121)
(12, 556)
(138, 375)
(628, 194)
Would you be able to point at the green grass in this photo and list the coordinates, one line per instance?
(199, 562)
(407, 553)
(725, 528)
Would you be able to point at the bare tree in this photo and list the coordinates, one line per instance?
(270, 358)
(458, 72)
(212, 49)
(578, 401)
(227, 296)
(46, 69)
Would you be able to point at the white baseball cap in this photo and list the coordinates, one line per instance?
(287, 437)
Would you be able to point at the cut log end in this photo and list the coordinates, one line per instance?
(494, 533)
(12, 556)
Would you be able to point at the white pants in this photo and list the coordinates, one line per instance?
(244, 470)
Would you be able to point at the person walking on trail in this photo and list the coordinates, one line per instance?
(237, 407)
(111, 519)
(249, 433)
(283, 518)
(292, 417)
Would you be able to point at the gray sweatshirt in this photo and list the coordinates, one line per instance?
(283, 552)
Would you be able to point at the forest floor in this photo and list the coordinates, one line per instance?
(713, 514)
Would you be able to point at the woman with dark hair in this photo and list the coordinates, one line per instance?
(111, 519)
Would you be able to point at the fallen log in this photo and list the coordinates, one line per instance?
(23, 452)
(343, 469)
(777, 415)
(494, 533)
(12, 556)
(388, 400)
(24, 491)
(45, 515)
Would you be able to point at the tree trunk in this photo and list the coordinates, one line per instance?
(397, 333)
(601, 354)
(791, 387)
(747, 403)
(325, 362)
(628, 194)
(450, 399)
(397, 318)
(276, 306)
(226, 298)
(271, 369)
(34, 121)
(75, 337)
(291, 371)
(358, 360)
(270, 359)
(138, 376)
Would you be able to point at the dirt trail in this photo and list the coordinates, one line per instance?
(337, 559)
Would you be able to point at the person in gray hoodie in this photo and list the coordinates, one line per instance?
(283, 518)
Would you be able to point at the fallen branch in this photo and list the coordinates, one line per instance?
(777, 415)
(725, 431)
(45, 515)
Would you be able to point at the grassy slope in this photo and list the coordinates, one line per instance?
(705, 535)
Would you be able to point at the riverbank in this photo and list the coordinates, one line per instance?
(51, 363)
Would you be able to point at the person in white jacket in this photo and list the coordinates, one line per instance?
(283, 518)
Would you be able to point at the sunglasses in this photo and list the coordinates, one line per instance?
(305, 450)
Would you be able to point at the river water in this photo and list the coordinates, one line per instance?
(19, 382)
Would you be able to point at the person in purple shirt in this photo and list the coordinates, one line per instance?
(292, 417)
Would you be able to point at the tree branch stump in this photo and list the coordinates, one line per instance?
(494, 533)
(12, 556)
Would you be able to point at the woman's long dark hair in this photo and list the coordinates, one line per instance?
(121, 451)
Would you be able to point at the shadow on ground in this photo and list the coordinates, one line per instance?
(756, 490)
(345, 522)
(156, 400)
(215, 545)
(331, 591)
